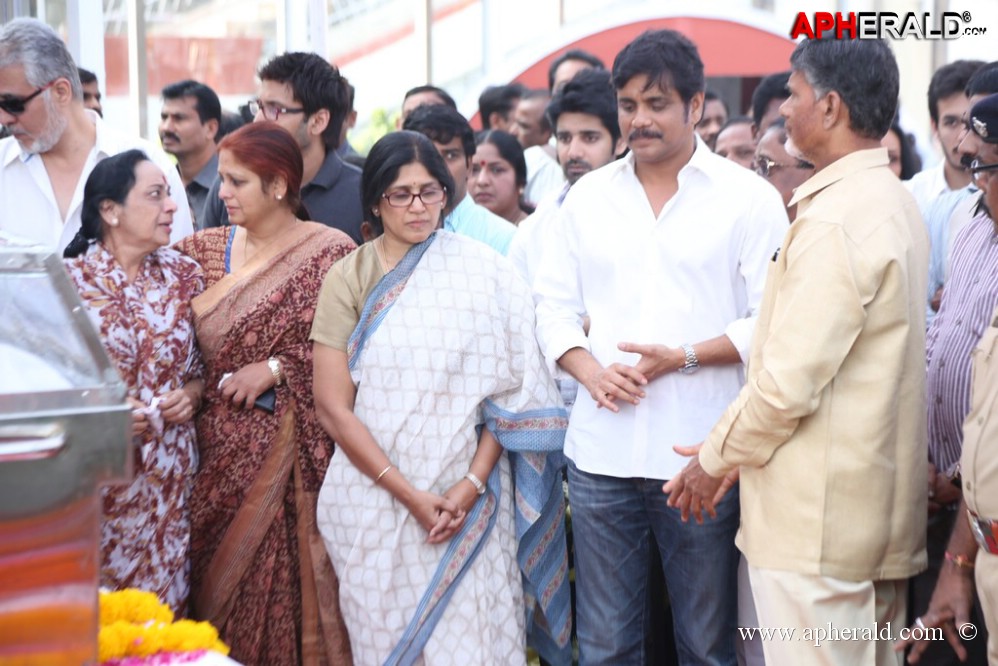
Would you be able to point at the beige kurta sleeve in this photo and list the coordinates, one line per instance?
(341, 300)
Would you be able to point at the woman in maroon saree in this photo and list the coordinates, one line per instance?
(260, 572)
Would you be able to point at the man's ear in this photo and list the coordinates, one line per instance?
(833, 110)
(211, 129)
(318, 122)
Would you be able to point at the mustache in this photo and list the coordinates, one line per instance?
(169, 135)
(578, 163)
(643, 134)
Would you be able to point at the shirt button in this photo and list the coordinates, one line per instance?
(967, 485)
(939, 400)
(959, 321)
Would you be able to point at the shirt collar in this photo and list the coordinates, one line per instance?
(854, 162)
(703, 160)
(329, 172)
(206, 177)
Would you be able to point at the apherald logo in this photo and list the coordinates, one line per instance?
(883, 25)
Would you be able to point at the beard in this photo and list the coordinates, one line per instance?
(793, 150)
(55, 126)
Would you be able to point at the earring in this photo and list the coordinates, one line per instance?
(279, 196)
(113, 222)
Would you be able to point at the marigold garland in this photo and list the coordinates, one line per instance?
(134, 623)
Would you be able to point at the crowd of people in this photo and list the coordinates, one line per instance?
(756, 346)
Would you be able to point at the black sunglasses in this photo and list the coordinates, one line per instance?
(15, 105)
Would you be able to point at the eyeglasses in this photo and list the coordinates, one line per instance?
(402, 199)
(15, 106)
(764, 166)
(978, 170)
(271, 110)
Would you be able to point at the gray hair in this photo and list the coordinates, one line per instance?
(40, 51)
(863, 72)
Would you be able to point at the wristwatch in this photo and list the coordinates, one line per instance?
(692, 364)
(275, 369)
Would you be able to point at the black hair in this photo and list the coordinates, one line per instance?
(949, 80)
(911, 163)
(668, 58)
(86, 76)
(588, 92)
(984, 81)
(441, 124)
(205, 100)
(498, 99)
(231, 121)
(316, 85)
(770, 87)
(572, 54)
(439, 92)
(734, 120)
(511, 151)
(387, 157)
(111, 180)
(864, 73)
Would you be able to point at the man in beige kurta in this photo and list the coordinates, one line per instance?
(829, 430)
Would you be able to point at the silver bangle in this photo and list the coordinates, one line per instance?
(380, 476)
(475, 481)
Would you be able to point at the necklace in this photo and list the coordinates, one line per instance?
(386, 263)
(247, 256)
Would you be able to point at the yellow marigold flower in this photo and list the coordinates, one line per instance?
(131, 605)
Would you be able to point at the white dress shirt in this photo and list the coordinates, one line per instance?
(695, 272)
(30, 211)
(531, 237)
(544, 175)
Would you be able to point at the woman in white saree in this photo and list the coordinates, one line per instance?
(444, 518)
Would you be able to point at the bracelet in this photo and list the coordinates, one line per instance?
(960, 561)
(275, 369)
(380, 476)
(475, 481)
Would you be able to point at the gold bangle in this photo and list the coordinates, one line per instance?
(378, 478)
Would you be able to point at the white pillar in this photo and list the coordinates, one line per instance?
(138, 84)
(85, 35)
(423, 36)
(318, 27)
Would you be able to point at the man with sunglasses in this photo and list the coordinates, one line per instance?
(55, 141)
(308, 97)
(971, 554)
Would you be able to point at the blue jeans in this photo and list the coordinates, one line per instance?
(616, 522)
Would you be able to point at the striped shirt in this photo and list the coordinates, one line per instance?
(969, 301)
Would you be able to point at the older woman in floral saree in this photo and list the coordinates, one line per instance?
(138, 293)
(259, 571)
(444, 519)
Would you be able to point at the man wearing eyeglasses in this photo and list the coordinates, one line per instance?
(55, 141)
(783, 171)
(971, 553)
(308, 97)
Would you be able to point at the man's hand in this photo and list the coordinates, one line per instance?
(656, 360)
(695, 490)
(616, 381)
(949, 609)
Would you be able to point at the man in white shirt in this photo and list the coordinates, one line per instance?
(55, 141)
(666, 251)
(948, 106)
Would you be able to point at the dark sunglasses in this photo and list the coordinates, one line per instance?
(15, 105)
